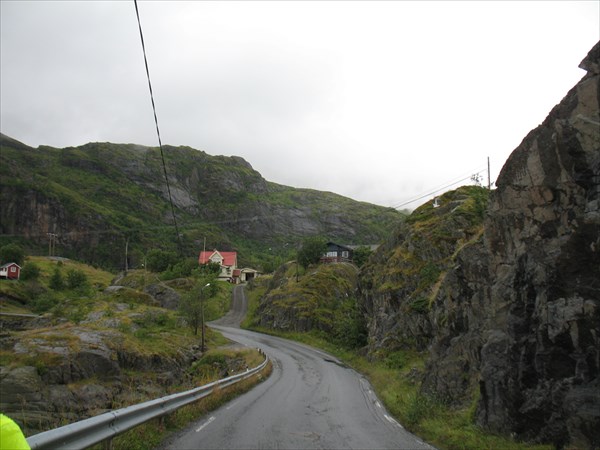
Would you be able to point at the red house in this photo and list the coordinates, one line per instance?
(227, 261)
(11, 271)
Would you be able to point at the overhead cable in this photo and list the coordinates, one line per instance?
(162, 155)
(435, 191)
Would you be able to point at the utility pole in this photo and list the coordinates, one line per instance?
(52, 243)
(126, 248)
(202, 346)
(489, 180)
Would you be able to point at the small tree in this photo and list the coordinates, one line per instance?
(30, 271)
(76, 279)
(361, 255)
(191, 304)
(56, 282)
(12, 253)
(311, 251)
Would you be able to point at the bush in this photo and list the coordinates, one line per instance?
(361, 255)
(44, 302)
(181, 269)
(349, 328)
(56, 283)
(160, 260)
(30, 271)
(312, 250)
(76, 279)
(396, 360)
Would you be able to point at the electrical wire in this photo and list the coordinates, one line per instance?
(162, 155)
(441, 188)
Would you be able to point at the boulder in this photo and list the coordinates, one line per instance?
(164, 295)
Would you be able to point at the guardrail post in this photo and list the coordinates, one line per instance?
(107, 444)
(161, 420)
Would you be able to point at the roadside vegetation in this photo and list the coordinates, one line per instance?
(394, 375)
(62, 309)
(151, 434)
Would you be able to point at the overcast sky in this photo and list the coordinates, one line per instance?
(382, 102)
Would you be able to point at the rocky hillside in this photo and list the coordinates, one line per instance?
(402, 279)
(100, 196)
(321, 300)
(508, 302)
(100, 346)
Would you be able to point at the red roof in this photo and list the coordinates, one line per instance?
(229, 258)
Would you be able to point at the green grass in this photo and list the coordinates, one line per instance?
(394, 377)
(151, 434)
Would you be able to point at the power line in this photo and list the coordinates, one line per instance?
(436, 190)
(162, 155)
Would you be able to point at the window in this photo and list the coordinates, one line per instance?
(332, 254)
(345, 254)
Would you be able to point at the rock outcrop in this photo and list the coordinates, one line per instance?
(518, 318)
(73, 372)
(313, 301)
(403, 277)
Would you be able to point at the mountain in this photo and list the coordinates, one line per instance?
(100, 198)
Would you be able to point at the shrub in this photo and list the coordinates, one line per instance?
(312, 250)
(76, 279)
(160, 260)
(44, 302)
(30, 271)
(396, 360)
(420, 305)
(56, 283)
(349, 328)
(181, 269)
(361, 255)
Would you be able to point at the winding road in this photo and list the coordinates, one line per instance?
(311, 401)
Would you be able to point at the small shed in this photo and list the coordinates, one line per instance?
(244, 275)
(10, 271)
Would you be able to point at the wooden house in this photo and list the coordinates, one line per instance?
(227, 261)
(10, 271)
(337, 253)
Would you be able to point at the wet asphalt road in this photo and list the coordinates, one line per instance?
(310, 401)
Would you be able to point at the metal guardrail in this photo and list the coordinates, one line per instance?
(88, 432)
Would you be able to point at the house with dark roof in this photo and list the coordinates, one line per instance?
(336, 253)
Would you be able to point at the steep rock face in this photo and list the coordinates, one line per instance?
(522, 307)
